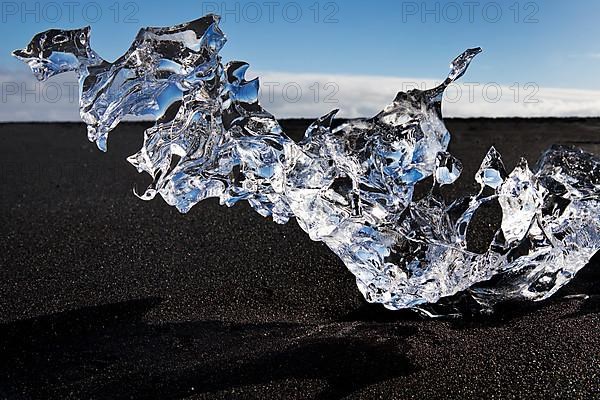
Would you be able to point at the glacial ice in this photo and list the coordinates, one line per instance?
(351, 186)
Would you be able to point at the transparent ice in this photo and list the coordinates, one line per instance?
(350, 187)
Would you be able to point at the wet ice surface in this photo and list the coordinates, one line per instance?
(352, 186)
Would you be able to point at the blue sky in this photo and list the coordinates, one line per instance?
(551, 43)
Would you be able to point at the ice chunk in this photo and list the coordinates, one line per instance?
(349, 186)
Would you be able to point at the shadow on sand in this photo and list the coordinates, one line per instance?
(110, 352)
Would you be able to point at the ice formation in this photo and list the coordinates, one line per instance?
(350, 187)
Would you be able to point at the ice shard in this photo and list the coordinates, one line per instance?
(352, 186)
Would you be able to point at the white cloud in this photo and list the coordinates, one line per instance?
(359, 96)
(312, 95)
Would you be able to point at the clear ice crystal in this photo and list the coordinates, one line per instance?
(448, 168)
(351, 186)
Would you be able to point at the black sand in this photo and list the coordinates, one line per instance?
(105, 296)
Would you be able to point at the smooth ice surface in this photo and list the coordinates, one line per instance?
(350, 187)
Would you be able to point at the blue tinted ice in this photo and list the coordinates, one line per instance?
(351, 186)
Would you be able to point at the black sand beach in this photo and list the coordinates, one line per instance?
(105, 296)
